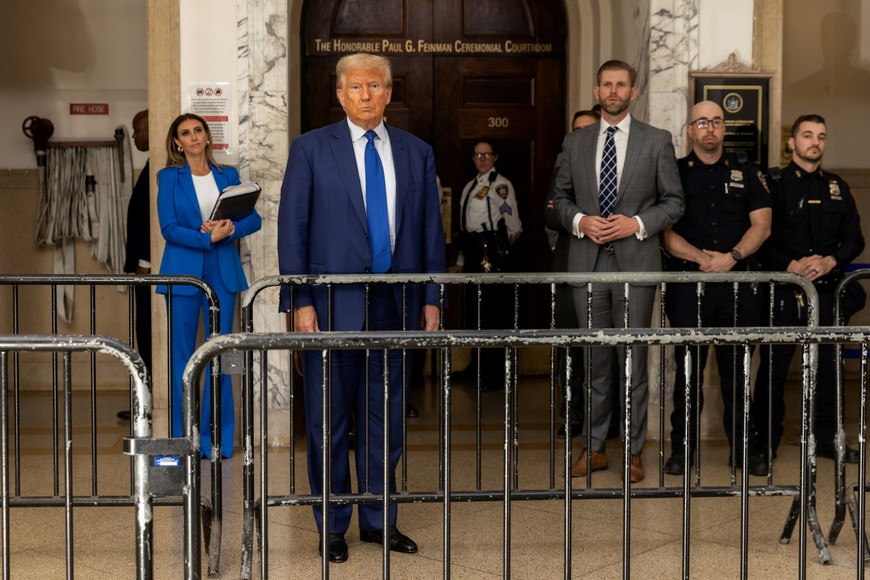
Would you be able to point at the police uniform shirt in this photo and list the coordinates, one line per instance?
(486, 203)
(719, 199)
(796, 196)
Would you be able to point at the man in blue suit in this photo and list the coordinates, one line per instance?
(359, 197)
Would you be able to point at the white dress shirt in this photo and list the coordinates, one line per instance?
(620, 139)
(382, 144)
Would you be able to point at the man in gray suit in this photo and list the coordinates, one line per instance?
(617, 188)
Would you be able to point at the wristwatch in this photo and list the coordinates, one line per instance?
(736, 255)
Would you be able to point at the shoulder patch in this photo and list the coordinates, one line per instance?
(763, 181)
(502, 190)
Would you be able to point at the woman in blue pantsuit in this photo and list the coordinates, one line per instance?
(188, 187)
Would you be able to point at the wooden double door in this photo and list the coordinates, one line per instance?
(462, 70)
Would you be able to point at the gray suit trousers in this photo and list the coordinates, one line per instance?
(608, 312)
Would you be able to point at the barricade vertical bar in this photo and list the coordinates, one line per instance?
(362, 425)
(862, 468)
(769, 370)
(93, 360)
(735, 288)
(511, 356)
(508, 466)
(326, 457)
(626, 445)
(169, 369)
(386, 463)
(478, 440)
(193, 561)
(687, 472)
(54, 397)
(215, 523)
(247, 417)
(566, 465)
(662, 389)
(16, 386)
(744, 472)
(141, 425)
(404, 392)
(68, 464)
(566, 395)
(806, 412)
(446, 442)
(588, 399)
(264, 469)
(4, 457)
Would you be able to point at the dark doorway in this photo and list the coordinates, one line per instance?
(462, 70)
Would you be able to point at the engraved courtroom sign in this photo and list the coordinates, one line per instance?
(387, 46)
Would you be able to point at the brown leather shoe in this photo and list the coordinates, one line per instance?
(599, 463)
(635, 472)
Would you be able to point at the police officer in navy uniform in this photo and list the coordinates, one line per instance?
(816, 233)
(490, 223)
(727, 219)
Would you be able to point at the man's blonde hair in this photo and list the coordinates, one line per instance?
(363, 60)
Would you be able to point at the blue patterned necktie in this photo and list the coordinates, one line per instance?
(376, 208)
(607, 177)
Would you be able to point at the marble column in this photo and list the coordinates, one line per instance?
(673, 52)
(263, 145)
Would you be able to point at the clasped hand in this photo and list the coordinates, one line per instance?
(601, 230)
(219, 229)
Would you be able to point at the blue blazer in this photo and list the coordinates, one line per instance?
(180, 220)
(322, 227)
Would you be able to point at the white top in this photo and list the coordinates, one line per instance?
(206, 193)
(382, 144)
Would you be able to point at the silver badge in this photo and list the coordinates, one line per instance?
(834, 189)
(736, 175)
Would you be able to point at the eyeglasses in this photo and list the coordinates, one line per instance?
(483, 156)
(356, 88)
(716, 123)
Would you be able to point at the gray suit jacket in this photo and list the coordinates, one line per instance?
(649, 188)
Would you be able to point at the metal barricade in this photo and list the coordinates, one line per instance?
(211, 508)
(140, 444)
(803, 507)
(852, 497)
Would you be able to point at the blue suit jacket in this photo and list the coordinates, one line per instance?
(322, 227)
(180, 220)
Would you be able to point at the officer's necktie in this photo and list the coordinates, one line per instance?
(607, 179)
(376, 208)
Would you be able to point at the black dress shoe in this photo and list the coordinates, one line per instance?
(337, 548)
(830, 452)
(123, 415)
(676, 464)
(758, 463)
(399, 542)
(411, 412)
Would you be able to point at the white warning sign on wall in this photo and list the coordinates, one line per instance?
(211, 101)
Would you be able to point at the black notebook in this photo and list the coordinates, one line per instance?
(236, 202)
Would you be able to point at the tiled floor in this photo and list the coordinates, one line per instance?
(103, 538)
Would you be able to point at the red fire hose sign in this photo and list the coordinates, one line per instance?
(89, 108)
